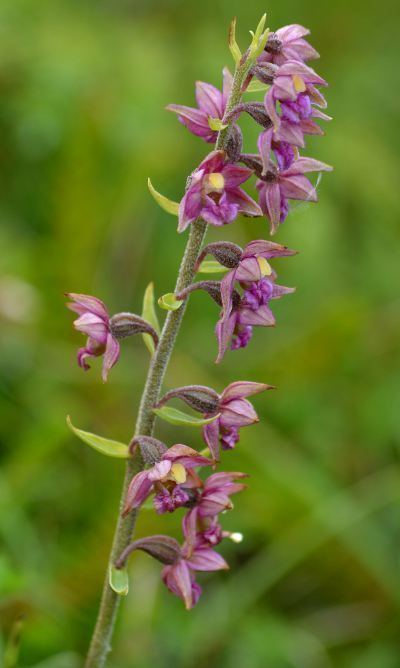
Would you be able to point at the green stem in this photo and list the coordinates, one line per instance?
(100, 644)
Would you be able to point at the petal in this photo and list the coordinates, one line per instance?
(273, 204)
(234, 175)
(226, 288)
(222, 478)
(263, 317)
(211, 437)
(196, 121)
(238, 413)
(177, 579)
(227, 84)
(298, 187)
(291, 133)
(213, 162)
(138, 491)
(292, 31)
(243, 388)
(269, 102)
(190, 206)
(247, 205)
(281, 290)
(83, 303)
(248, 270)
(159, 471)
(111, 356)
(189, 524)
(267, 249)
(186, 456)
(93, 326)
(209, 99)
(264, 147)
(206, 559)
(304, 165)
(224, 330)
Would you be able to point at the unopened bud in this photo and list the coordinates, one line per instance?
(123, 325)
(199, 397)
(227, 254)
(151, 448)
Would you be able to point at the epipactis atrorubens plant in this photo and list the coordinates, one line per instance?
(179, 476)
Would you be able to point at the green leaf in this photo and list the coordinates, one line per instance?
(169, 302)
(168, 205)
(149, 314)
(173, 416)
(118, 580)
(216, 124)
(104, 445)
(211, 267)
(256, 86)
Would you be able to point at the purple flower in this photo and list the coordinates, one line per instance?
(294, 87)
(166, 478)
(214, 194)
(211, 104)
(235, 326)
(276, 186)
(214, 496)
(252, 267)
(234, 412)
(179, 577)
(288, 43)
(94, 321)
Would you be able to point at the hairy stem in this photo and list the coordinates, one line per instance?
(100, 644)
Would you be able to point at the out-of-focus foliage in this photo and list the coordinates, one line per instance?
(315, 584)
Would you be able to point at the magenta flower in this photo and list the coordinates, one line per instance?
(276, 186)
(214, 497)
(235, 327)
(179, 577)
(252, 267)
(94, 321)
(288, 43)
(294, 87)
(214, 194)
(211, 104)
(168, 478)
(235, 412)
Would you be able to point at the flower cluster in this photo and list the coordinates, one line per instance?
(175, 477)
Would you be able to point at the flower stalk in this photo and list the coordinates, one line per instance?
(100, 644)
(213, 196)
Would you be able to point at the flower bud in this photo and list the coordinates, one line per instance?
(227, 254)
(163, 548)
(123, 325)
(199, 397)
(151, 448)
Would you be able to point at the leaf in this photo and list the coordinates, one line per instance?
(256, 86)
(167, 204)
(211, 267)
(104, 445)
(233, 45)
(216, 124)
(169, 302)
(118, 580)
(173, 416)
(149, 314)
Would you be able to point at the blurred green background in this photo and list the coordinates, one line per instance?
(315, 583)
